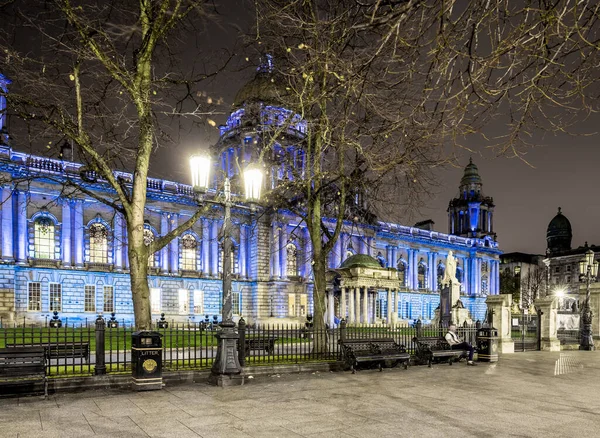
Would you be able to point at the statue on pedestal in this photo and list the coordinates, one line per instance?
(450, 271)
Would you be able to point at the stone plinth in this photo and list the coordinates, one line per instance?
(547, 318)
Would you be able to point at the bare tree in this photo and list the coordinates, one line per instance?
(387, 88)
(108, 76)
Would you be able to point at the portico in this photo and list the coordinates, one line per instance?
(361, 278)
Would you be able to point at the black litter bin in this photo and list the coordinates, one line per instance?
(146, 360)
(487, 344)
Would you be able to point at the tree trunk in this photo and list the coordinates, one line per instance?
(138, 272)
(319, 291)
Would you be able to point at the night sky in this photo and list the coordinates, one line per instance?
(563, 171)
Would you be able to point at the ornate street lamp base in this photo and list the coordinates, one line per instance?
(226, 369)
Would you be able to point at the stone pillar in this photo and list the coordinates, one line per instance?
(283, 240)
(7, 225)
(390, 306)
(343, 310)
(174, 244)
(275, 252)
(548, 307)
(500, 306)
(410, 255)
(394, 257)
(205, 247)
(215, 250)
(330, 309)
(164, 252)
(434, 273)
(365, 302)
(351, 314)
(357, 304)
(65, 236)
(243, 262)
(78, 231)
(396, 310)
(21, 227)
(118, 243)
(416, 269)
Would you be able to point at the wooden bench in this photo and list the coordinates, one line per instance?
(377, 351)
(265, 343)
(20, 366)
(428, 348)
(62, 350)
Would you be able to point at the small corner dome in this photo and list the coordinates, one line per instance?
(559, 226)
(471, 175)
(360, 261)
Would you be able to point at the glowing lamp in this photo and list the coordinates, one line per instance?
(200, 167)
(253, 178)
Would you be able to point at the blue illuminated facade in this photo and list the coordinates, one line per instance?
(68, 252)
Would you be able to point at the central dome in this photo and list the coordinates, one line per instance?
(266, 86)
(559, 233)
(360, 261)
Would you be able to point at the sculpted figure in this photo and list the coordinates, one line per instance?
(450, 271)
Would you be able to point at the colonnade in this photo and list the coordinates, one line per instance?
(357, 305)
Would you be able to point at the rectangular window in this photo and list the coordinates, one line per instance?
(34, 297)
(198, 302)
(55, 297)
(184, 301)
(155, 300)
(303, 306)
(568, 268)
(109, 299)
(236, 302)
(89, 301)
(557, 269)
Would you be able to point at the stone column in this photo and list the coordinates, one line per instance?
(205, 247)
(215, 250)
(396, 298)
(164, 252)
(351, 314)
(357, 304)
(411, 268)
(275, 272)
(434, 273)
(21, 227)
(548, 307)
(330, 309)
(118, 236)
(343, 309)
(365, 302)
(394, 257)
(7, 225)
(65, 235)
(174, 244)
(500, 306)
(78, 231)
(390, 306)
(243, 262)
(283, 238)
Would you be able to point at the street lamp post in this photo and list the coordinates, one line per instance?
(588, 269)
(226, 369)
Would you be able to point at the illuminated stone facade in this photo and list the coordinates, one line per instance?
(69, 253)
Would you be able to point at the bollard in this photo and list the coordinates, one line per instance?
(242, 342)
(100, 367)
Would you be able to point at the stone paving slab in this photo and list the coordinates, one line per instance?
(534, 394)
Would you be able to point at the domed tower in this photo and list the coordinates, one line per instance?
(471, 213)
(559, 234)
(258, 121)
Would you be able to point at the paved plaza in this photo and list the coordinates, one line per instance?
(537, 394)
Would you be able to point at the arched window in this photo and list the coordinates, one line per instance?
(98, 243)
(422, 275)
(402, 272)
(441, 269)
(189, 253)
(44, 238)
(148, 239)
(292, 260)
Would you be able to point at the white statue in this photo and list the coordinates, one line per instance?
(450, 271)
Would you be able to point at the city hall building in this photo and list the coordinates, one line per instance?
(68, 253)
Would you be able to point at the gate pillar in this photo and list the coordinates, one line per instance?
(547, 317)
(500, 306)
